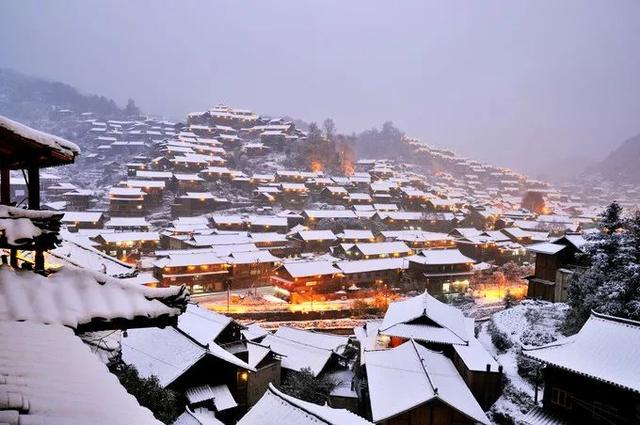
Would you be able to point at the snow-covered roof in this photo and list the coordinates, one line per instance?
(382, 248)
(298, 355)
(545, 248)
(277, 408)
(606, 348)
(81, 254)
(356, 234)
(323, 340)
(365, 266)
(198, 416)
(218, 394)
(130, 236)
(127, 222)
(310, 268)
(317, 235)
(440, 257)
(50, 141)
(448, 321)
(416, 375)
(165, 353)
(58, 380)
(474, 355)
(81, 216)
(76, 297)
(254, 331)
(202, 325)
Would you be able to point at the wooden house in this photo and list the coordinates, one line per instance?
(125, 202)
(313, 240)
(555, 262)
(128, 246)
(199, 272)
(592, 377)
(308, 277)
(443, 271)
(83, 220)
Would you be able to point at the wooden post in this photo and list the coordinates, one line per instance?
(33, 186)
(34, 204)
(5, 186)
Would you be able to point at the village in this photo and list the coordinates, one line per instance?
(259, 285)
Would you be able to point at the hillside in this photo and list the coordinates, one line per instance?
(30, 99)
(621, 166)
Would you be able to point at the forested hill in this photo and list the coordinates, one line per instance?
(30, 99)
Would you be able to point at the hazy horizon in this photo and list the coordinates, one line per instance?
(531, 85)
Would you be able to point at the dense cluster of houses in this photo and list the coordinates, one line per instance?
(82, 286)
(185, 210)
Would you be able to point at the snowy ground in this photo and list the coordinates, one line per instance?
(529, 323)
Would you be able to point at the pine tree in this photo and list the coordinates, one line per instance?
(611, 284)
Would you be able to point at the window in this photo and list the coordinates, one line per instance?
(560, 398)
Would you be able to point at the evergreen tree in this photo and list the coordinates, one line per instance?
(611, 283)
(305, 386)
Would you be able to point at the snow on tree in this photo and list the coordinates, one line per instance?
(611, 283)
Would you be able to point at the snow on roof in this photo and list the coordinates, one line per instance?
(81, 216)
(365, 266)
(440, 257)
(298, 355)
(322, 340)
(606, 348)
(545, 248)
(268, 237)
(252, 257)
(126, 191)
(382, 248)
(202, 325)
(310, 268)
(48, 140)
(268, 220)
(277, 408)
(198, 416)
(222, 239)
(474, 355)
(219, 394)
(356, 234)
(420, 375)
(330, 213)
(74, 297)
(317, 235)
(127, 222)
(82, 255)
(424, 305)
(257, 353)
(189, 259)
(254, 331)
(165, 353)
(60, 380)
(130, 236)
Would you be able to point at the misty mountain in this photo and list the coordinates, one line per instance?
(31, 99)
(621, 166)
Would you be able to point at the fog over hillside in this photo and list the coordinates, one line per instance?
(529, 85)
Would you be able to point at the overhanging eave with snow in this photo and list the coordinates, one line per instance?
(23, 147)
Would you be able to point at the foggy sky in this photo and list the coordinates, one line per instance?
(533, 85)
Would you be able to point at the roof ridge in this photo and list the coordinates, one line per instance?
(434, 388)
(617, 319)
